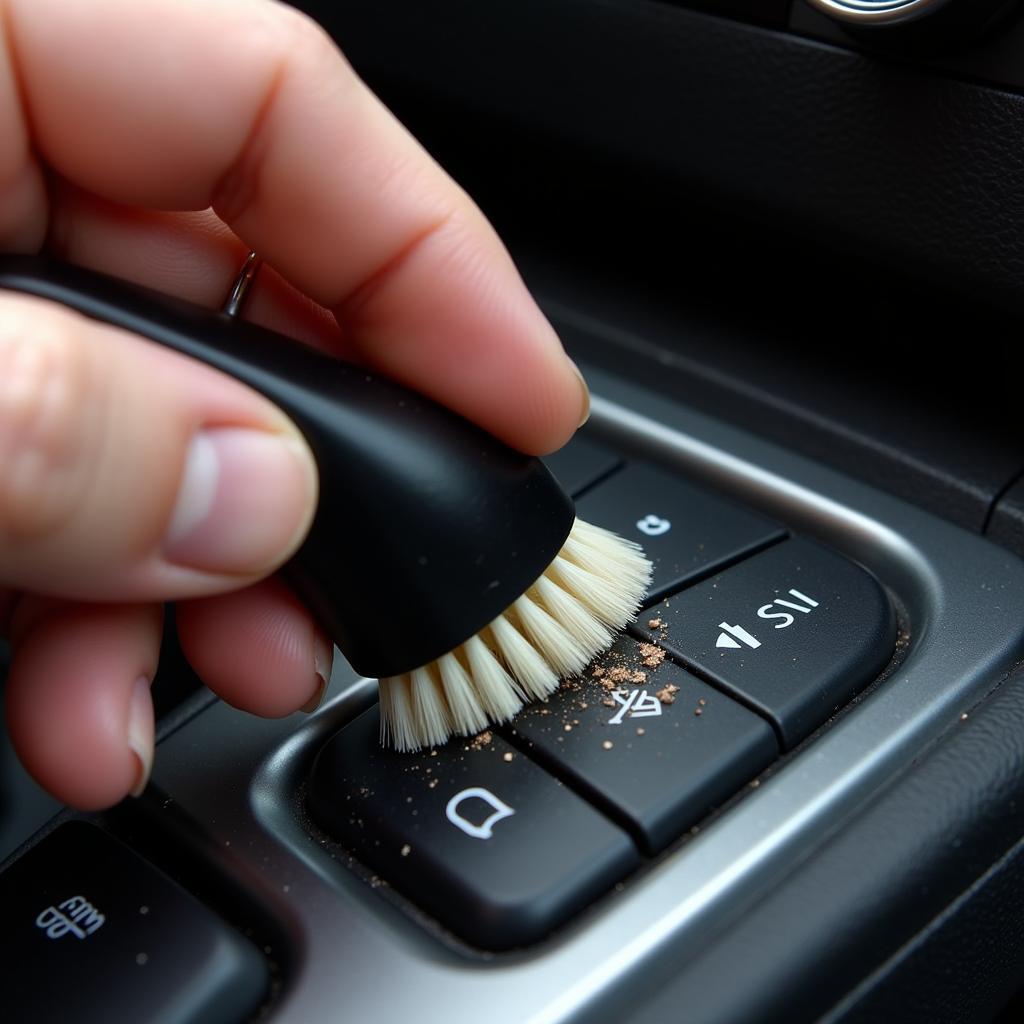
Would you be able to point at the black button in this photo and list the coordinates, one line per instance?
(474, 832)
(685, 531)
(795, 632)
(647, 740)
(580, 463)
(91, 932)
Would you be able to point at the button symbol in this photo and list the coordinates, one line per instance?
(653, 526)
(75, 916)
(734, 633)
(736, 636)
(639, 704)
(767, 611)
(483, 830)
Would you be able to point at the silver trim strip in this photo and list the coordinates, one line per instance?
(876, 12)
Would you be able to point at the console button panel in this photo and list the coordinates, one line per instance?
(504, 836)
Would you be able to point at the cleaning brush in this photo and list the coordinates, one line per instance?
(440, 561)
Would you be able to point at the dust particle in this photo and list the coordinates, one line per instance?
(406, 850)
(567, 727)
(698, 712)
(507, 756)
(609, 703)
(607, 744)
(482, 740)
(640, 730)
(651, 655)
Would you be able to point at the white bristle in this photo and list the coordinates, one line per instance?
(431, 720)
(464, 704)
(591, 589)
(591, 633)
(609, 600)
(554, 643)
(498, 694)
(524, 662)
(396, 721)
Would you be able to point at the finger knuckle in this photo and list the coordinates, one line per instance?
(49, 409)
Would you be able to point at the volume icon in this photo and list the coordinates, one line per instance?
(735, 636)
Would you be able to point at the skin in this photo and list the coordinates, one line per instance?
(163, 156)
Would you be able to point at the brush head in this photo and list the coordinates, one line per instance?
(571, 613)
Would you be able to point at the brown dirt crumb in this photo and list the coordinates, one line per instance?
(619, 674)
(654, 624)
(482, 740)
(507, 756)
(640, 730)
(597, 672)
(609, 703)
(698, 712)
(433, 783)
(638, 677)
(607, 744)
(567, 727)
(667, 694)
(651, 655)
(406, 850)
(702, 702)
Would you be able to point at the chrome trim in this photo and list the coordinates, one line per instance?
(876, 12)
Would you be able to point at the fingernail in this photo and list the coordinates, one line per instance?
(245, 501)
(140, 733)
(586, 393)
(323, 656)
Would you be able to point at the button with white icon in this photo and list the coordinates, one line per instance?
(650, 739)
(793, 632)
(686, 531)
(475, 833)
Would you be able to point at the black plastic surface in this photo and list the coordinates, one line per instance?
(760, 12)
(409, 491)
(580, 463)
(474, 833)
(794, 632)
(647, 740)
(685, 531)
(93, 933)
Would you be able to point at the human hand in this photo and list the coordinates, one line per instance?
(159, 142)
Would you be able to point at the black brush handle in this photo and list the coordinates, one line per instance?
(427, 527)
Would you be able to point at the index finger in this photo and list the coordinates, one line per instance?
(247, 106)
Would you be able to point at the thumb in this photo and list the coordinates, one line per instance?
(128, 472)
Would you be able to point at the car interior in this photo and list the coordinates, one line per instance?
(784, 240)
